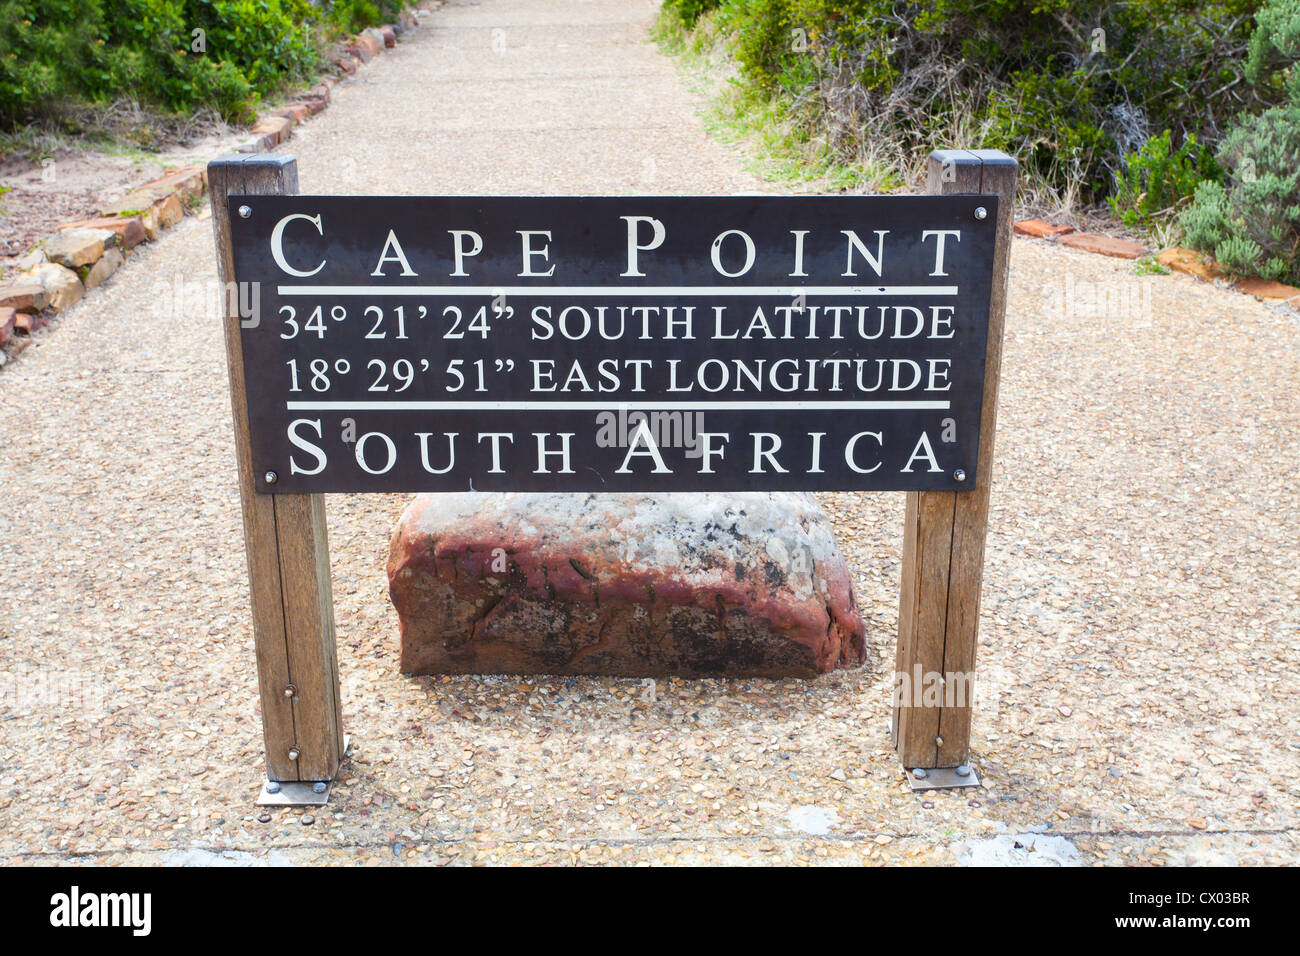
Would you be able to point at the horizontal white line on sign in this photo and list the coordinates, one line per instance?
(614, 406)
(614, 291)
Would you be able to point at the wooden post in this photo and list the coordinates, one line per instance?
(284, 535)
(943, 545)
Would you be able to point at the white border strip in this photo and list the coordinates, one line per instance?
(617, 291)
(777, 406)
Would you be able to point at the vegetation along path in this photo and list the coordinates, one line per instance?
(1139, 618)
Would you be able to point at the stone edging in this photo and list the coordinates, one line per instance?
(83, 254)
(1188, 261)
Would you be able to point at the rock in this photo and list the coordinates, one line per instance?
(1267, 289)
(347, 63)
(189, 181)
(376, 37)
(24, 294)
(294, 112)
(1103, 245)
(168, 211)
(62, 287)
(362, 50)
(1191, 262)
(129, 229)
(27, 322)
(389, 35)
(626, 585)
(155, 206)
(112, 261)
(6, 325)
(277, 128)
(137, 201)
(31, 260)
(78, 247)
(1040, 229)
(256, 144)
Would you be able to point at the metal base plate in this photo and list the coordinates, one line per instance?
(300, 793)
(295, 794)
(942, 778)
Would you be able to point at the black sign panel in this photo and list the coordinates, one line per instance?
(614, 344)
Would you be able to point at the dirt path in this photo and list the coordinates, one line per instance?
(1139, 625)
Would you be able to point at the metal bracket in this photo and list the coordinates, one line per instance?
(942, 778)
(300, 793)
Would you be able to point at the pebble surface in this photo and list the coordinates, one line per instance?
(1139, 621)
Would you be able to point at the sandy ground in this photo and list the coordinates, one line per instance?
(1139, 627)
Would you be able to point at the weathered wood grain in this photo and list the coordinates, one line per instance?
(944, 533)
(284, 538)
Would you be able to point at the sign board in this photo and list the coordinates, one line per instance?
(613, 344)
(801, 343)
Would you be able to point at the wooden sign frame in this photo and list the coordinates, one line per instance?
(288, 552)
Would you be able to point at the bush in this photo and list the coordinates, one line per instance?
(688, 11)
(1251, 222)
(1158, 179)
(59, 53)
(1068, 86)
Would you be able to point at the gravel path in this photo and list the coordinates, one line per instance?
(1139, 625)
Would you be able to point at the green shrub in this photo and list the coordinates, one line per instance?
(1251, 221)
(60, 53)
(1068, 86)
(1251, 224)
(1158, 179)
(688, 11)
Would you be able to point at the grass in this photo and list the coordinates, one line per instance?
(123, 128)
(781, 148)
(1149, 266)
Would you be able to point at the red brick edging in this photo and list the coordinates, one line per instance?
(1187, 261)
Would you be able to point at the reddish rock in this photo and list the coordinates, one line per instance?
(364, 48)
(1040, 229)
(406, 20)
(162, 214)
(1191, 262)
(295, 112)
(1104, 245)
(27, 323)
(390, 36)
(347, 64)
(129, 229)
(24, 293)
(1267, 289)
(275, 127)
(168, 211)
(256, 144)
(626, 585)
(96, 275)
(190, 182)
(137, 201)
(6, 325)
